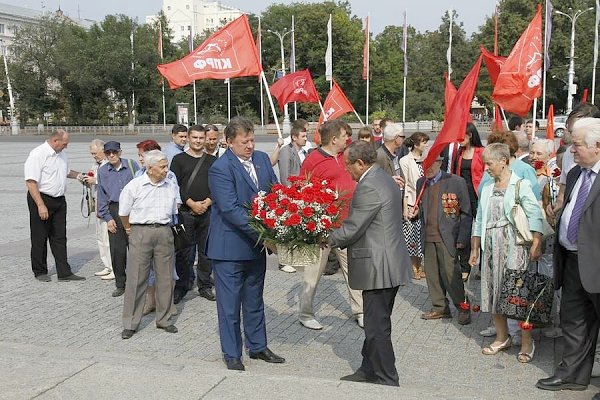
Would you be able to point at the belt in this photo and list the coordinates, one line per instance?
(151, 225)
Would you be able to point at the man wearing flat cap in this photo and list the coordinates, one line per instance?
(112, 178)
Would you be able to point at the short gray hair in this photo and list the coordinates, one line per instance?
(97, 143)
(545, 145)
(522, 140)
(591, 128)
(391, 131)
(361, 150)
(496, 152)
(152, 157)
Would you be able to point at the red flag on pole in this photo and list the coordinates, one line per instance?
(336, 104)
(550, 124)
(365, 72)
(228, 53)
(298, 87)
(520, 78)
(493, 64)
(455, 124)
(584, 96)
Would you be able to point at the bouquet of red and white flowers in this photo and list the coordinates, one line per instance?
(297, 216)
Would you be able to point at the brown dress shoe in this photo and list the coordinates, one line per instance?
(436, 315)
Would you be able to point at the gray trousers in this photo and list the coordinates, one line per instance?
(147, 245)
(443, 276)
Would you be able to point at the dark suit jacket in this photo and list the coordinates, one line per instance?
(453, 229)
(588, 237)
(232, 190)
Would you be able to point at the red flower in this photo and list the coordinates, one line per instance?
(476, 308)
(284, 202)
(271, 197)
(526, 325)
(279, 211)
(307, 212)
(538, 164)
(464, 305)
(254, 209)
(326, 223)
(293, 208)
(270, 223)
(331, 210)
(90, 174)
(311, 226)
(556, 173)
(263, 214)
(293, 219)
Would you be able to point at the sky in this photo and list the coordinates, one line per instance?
(422, 14)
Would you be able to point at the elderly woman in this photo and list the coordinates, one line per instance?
(546, 169)
(494, 233)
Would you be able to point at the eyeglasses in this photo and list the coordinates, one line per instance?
(111, 152)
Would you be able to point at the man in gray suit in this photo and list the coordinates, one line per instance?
(292, 155)
(378, 259)
(393, 137)
(576, 255)
(446, 215)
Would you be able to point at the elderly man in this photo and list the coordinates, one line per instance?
(393, 137)
(177, 143)
(46, 173)
(239, 260)
(375, 218)
(576, 262)
(523, 147)
(146, 207)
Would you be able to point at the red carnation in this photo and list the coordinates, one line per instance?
(263, 214)
(293, 207)
(326, 223)
(270, 223)
(556, 173)
(465, 305)
(90, 174)
(307, 212)
(271, 197)
(538, 164)
(311, 226)
(279, 211)
(476, 308)
(293, 219)
(331, 210)
(526, 325)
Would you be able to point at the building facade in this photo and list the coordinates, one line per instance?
(13, 18)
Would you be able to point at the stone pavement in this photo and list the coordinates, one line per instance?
(61, 340)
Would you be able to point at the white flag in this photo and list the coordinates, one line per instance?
(328, 54)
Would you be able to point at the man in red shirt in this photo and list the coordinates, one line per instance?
(327, 162)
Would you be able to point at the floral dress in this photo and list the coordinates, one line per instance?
(501, 252)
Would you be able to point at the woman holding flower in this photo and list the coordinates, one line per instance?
(494, 233)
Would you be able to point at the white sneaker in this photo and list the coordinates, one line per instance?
(312, 324)
(360, 320)
(489, 332)
(108, 277)
(287, 268)
(105, 271)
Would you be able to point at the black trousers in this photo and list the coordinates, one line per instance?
(579, 320)
(53, 230)
(197, 227)
(118, 247)
(378, 353)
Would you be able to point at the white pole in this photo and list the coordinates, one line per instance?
(449, 51)
(323, 111)
(358, 116)
(192, 33)
(132, 89)
(195, 105)
(595, 51)
(293, 61)
(228, 82)
(262, 75)
(11, 100)
(163, 79)
(504, 116)
(368, 39)
(262, 101)
(545, 59)
(534, 117)
(404, 102)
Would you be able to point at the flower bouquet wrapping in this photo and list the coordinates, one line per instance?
(297, 219)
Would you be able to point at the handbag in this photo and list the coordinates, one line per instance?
(526, 295)
(523, 234)
(181, 239)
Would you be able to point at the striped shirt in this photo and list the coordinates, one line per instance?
(148, 203)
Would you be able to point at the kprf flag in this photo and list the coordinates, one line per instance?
(493, 64)
(550, 123)
(328, 53)
(228, 53)
(298, 87)
(520, 78)
(455, 125)
(365, 71)
(336, 104)
(404, 44)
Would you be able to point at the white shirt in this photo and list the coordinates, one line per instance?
(49, 169)
(366, 172)
(568, 162)
(252, 171)
(566, 215)
(148, 203)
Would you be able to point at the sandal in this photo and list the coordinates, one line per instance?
(416, 274)
(465, 276)
(523, 357)
(491, 349)
(422, 274)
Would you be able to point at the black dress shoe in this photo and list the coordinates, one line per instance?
(555, 383)
(207, 293)
(235, 364)
(268, 356)
(127, 333)
(178, 295)
(72, 277)
(358, 376)
(169, 328)
(43, 278)
(118, 292)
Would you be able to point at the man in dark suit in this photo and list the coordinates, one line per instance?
(378, 259)
(239, 260)
(576, 257)
(446, 215)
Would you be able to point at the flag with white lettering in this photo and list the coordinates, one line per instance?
(228, 53)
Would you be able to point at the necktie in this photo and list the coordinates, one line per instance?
(248, 165)
(582, 195)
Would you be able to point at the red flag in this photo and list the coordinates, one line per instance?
(550, 123)
(336, 104)
(520, 79)
(228, 53)
(493, 64)
(455, 124)
(449, 95)
(298, 86)
(365, 72)
(584, 96)
(497, 118)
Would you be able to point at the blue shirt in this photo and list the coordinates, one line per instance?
(110, 184)
(171, 150)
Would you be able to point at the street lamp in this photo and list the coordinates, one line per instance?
(14, 124)
(571, 73)
(286, 115)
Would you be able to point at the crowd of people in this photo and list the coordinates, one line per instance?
(449, 224)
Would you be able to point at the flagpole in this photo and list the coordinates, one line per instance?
(322, 110)
(329, 55)
(358, 116)
(545, 60)
(264, 79)
(293, 61)
(504, 116)
(228, 82)
(404, 102)
(534, 117)
(162, 79)
(404, 47)
(132, 89)
(449, 51)
(595, 51)
(368, 61)
(262, 99)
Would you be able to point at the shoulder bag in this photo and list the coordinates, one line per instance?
(523, 234)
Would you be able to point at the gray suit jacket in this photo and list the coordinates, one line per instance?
(289, 163)
(377, 253)
(453, 229)
(588, 237)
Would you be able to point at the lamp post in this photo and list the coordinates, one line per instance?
(286, 115)
(14, 124)
(571, 74)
